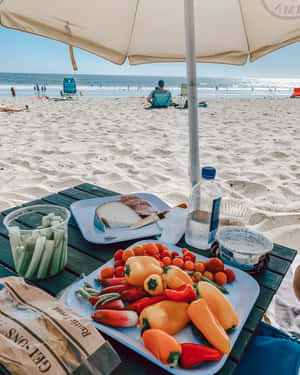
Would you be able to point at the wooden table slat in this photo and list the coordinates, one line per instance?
(228, 368)
(269, 279)
(264, 298)
(254, 318)
(241, 345)
(77, 194)
(96, 190)
(278, 265)
(5, 272)
(284, 252)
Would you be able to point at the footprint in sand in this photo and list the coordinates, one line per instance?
(247, 188)
(279, 155)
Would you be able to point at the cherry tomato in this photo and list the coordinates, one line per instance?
(119, 271)
(107, 273)
(127, 254)
(118, 254)
(199, 267)
(167, 261)
(119, 263)
(178, 262)
(189, 265)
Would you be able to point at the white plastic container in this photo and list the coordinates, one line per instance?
(204, 211)
(242, 248)
(234, 212)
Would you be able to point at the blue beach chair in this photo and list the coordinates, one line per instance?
(69, 87)
(161, 100)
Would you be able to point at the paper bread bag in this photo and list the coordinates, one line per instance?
(40, 335)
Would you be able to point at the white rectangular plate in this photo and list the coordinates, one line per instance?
(84, 212)
(243, 293)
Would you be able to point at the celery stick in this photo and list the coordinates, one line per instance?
(26, 256)
(58, 239)
(64, 252)
(36, 257)
(15, 242)
(46, 259)
(18, 255)
(15, 237)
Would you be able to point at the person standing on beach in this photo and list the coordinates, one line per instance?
(13, 91)
(158, 89)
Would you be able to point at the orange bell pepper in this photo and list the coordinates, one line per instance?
(165, 347)
(138, 268)
(201, 315)
(169, 316)
(176, 277)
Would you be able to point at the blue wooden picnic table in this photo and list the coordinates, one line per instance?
(85, 257)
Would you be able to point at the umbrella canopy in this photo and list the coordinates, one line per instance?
(147, 31)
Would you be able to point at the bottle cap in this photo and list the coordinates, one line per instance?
(209, 173)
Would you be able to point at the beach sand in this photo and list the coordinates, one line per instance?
(117, 144)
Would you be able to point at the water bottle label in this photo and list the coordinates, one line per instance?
(214, 221)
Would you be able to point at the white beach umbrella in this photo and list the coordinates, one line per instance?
(147, 31)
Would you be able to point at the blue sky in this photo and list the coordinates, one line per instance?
(25, 53)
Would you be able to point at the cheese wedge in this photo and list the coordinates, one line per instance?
(114, 214)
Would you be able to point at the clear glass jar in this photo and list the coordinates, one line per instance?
(39, 240)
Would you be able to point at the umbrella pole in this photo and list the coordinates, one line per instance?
(194, 162)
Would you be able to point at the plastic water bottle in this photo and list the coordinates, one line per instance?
(204, 210)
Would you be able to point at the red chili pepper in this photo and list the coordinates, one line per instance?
(112, 281)
(193, 354)
(185, 293)
(132, 294)
(139, 305)
(116, 289)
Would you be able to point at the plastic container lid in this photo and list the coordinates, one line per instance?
(240, 240)
(209, 173)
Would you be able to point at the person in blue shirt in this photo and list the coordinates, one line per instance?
(159, 89)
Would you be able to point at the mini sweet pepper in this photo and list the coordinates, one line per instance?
(185, 293)
(176, 277)
(138, 268)
(169, 316)
(193, 354)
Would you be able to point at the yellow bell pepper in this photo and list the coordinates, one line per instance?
(176, 277)
(169, 316)
(138, 268)
(154, 285)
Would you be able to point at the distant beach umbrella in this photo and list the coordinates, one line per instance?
(148, 31)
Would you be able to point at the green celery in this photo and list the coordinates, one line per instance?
(36, 257)
(46, 259)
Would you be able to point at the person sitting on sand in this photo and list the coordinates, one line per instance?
(8, 109)
(159, 89)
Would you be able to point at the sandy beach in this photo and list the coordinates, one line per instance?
(117, 144)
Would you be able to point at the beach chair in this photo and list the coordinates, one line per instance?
(183, 96)
(161, 100)
(69, 87)
(297, 92)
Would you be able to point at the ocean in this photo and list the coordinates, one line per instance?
(139, 86)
